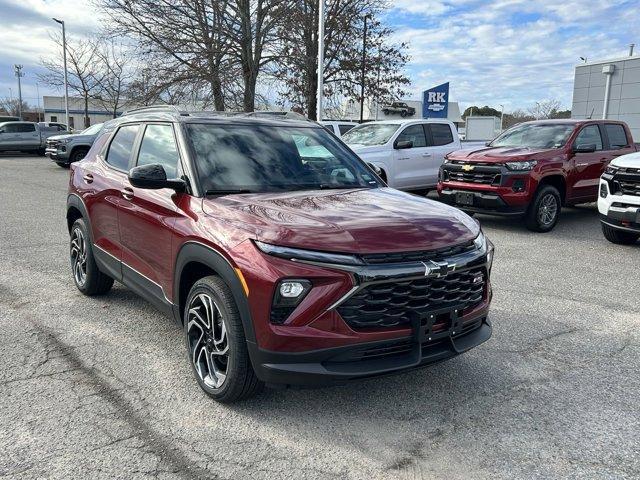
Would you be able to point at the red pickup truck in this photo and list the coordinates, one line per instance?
(534, 168)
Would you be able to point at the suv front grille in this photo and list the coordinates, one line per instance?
(393, 304)
(52, 143)
(417, 256)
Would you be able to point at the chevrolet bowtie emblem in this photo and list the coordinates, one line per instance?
(437, 269)
(467, 168)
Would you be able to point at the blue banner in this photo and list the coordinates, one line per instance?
(435, 102)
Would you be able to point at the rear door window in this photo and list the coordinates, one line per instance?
(617, 136)
(440, 134)
(415, 134)
(25, 127)
(121, 147)
(159, 147)
(345, 128)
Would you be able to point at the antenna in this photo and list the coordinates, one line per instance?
(591, 114)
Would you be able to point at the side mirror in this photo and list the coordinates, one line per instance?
(402, 144)
(585, 148)
(375, 168)
(154, 177)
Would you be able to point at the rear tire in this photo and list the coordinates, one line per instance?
(86, 274)
(619, 237)
(216, 344)
(63, 165)
(543, 213)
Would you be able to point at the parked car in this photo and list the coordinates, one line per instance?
(408, 152)
(66, 149)
(279, 266)
(27, 136)
(8, 119)
(399, 107)
(534, 168)
(619, 200)
(338, 127)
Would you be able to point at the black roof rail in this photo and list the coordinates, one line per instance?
(154, 108)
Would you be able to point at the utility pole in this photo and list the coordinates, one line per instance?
(364, 69)
(501, 116)
(66, 83)
(320, 93)
(38, 97)
(19, 74)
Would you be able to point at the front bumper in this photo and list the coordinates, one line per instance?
(616, 209)
(57, 153)
(341, 365)
(485, 188)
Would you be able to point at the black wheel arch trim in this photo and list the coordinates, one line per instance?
(74, 200)
(192, 251)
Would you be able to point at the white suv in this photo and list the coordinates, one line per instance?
(408, 152)
(619, 200)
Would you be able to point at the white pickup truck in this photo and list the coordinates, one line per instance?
(408, 152)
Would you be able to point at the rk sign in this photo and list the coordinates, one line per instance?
(435, 102)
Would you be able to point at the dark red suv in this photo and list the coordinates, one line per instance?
(283, 255)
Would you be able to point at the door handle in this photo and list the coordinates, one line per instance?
(426, 154)
(604, 159)
(88, 178)
(127, 193)
(404, 158)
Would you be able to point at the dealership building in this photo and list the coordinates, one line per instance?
(609, 89)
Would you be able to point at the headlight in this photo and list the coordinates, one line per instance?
(522, 166)
(64, 141)
(294, 254)
(446, 160)
(611, 170)
(480, 241)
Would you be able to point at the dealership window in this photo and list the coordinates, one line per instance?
(159, 146)
(54, 118)
(441, 134)
(617, 136)
(121, 147)
(415, 134)
(71, 122)
(590, 135)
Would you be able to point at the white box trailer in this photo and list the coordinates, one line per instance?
(482, 128)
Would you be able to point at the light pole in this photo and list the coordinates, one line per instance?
(38, 97)
(501, 115)
(19, 74)
(64, 61)
(320, 93)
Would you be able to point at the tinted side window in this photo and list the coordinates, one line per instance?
(415, 134)
(25, 127)
(345, 128)
(11, 128)
(159, 146)
(617, 136)
(121, 147)
(441, 134)
(590, 136)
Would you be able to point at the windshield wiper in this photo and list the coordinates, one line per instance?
(227, 191)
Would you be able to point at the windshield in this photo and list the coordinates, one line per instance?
(92, 130)
(535, 135)
(259, 158)
(370, 134)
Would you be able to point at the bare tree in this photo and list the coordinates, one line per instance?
(82, 70)
(545, 109)
(115, 73)
(353, 66)
(11, 106)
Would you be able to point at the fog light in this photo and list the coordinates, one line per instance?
(291, 289)
(603, 190)
(518, 185)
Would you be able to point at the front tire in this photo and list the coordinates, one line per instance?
(78, 154)
(619, 237)
(86, 274)
(216, 344)
(544, 211)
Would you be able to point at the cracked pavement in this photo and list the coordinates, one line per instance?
(100, 387)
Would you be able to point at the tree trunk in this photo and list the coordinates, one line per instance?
(216, 91)
(86, 110)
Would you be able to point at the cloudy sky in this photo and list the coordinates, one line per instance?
(511, 52)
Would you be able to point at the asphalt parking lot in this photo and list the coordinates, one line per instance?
(100, 387)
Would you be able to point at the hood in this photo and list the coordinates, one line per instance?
(75, 136)
(500, 154)
(631, 160)
(349, 221)
(365, 150)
